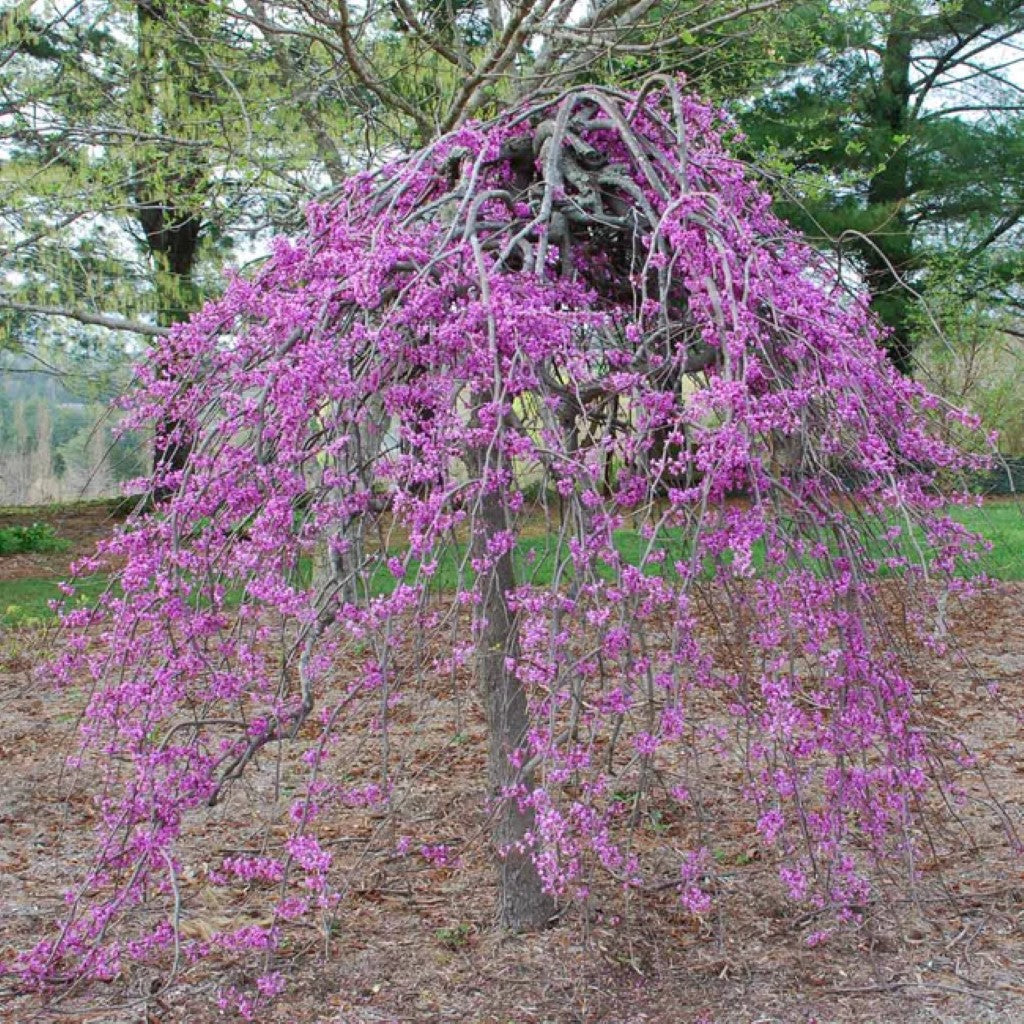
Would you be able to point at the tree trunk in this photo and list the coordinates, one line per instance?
(171, 88)
(889, 258)
(176, 298)
(523, 905)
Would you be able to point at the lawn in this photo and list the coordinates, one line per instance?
(26, 600)
(1002, 524)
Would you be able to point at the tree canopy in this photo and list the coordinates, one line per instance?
(142, 141)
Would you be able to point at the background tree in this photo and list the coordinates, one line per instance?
(132, 166)
(131, 156)
(909, 120)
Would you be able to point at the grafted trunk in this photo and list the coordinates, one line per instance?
(523, 905)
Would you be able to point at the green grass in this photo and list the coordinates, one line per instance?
(25, 601)
(114, 506)
(1001, 523)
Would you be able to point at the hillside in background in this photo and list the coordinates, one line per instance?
(58, 444)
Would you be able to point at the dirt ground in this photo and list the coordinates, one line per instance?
(417, 944)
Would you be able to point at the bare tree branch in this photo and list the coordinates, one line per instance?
(111, 322)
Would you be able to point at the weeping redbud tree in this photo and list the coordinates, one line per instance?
(559, 398)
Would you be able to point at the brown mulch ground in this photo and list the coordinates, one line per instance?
(413, 943)
(81, 525)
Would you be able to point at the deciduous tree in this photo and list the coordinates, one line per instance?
(517, 380)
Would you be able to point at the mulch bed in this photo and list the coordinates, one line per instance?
(414, 941)
(81, 525)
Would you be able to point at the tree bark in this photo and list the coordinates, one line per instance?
(523, 905)
(889, 258)
(176, 298)
(171, 186)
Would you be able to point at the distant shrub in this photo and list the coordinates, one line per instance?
(39, 538)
